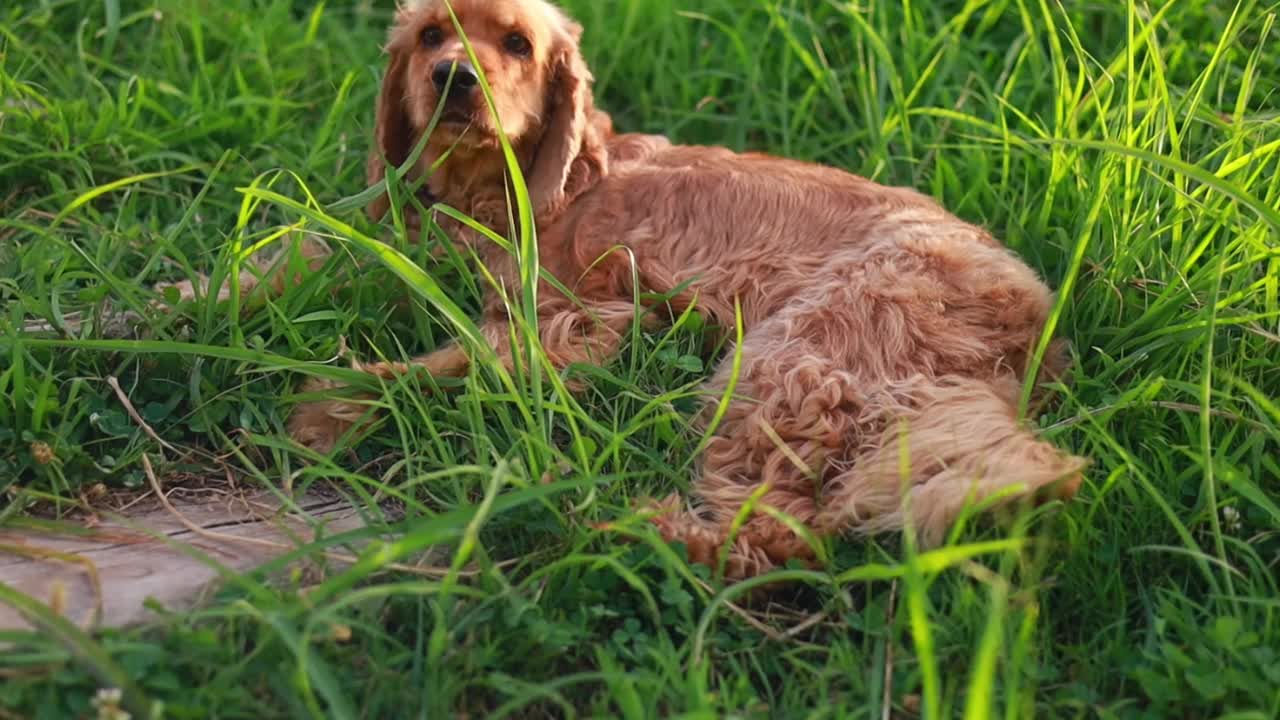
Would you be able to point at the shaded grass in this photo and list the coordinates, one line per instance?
(1128, 151)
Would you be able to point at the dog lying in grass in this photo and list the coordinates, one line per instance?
(886, 341)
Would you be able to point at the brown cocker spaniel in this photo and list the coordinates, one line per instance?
(886, 341)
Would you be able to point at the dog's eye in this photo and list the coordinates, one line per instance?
(432, 37)
(517, 44)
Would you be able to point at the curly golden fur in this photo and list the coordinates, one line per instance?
(878, 326)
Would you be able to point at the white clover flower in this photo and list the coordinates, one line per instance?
(1231, 519)
(107, 702)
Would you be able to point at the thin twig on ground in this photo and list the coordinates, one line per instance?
(133, 413)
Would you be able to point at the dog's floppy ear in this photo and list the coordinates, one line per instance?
(571, 152)
(393, 131)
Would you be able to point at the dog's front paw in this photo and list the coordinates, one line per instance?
(320, 424)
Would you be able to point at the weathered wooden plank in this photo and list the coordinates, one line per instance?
(103, 578)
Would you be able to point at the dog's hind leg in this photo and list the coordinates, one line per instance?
(836, 459)
(952, 441)
(791, 409)
(828, 380)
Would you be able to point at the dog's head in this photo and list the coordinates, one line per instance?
(541, 90)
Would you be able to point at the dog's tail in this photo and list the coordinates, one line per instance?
(952, 442)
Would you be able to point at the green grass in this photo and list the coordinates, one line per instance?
(1129, 151)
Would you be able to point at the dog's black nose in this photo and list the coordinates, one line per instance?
(464, 77)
